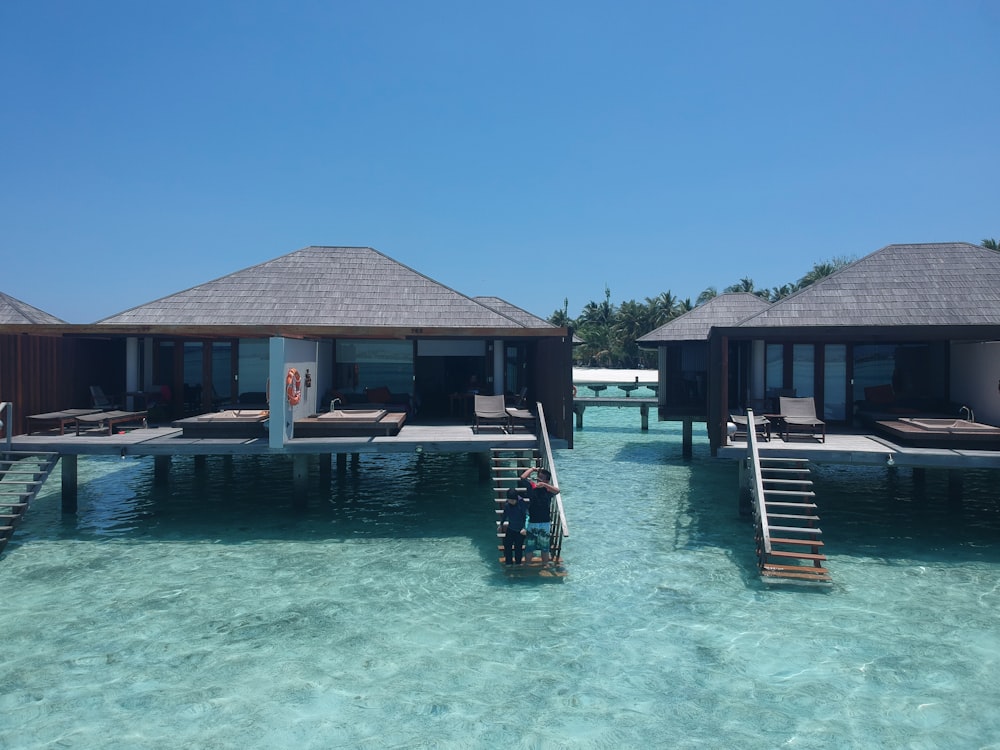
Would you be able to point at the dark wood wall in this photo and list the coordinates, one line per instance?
(39, 374)
(553, 375)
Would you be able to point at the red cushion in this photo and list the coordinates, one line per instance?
(379, 395)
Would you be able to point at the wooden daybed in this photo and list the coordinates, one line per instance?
(351, 423)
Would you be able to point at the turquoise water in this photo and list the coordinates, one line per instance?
(210, 614)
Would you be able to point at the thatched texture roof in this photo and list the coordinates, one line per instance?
(943, 284)
(15, 312)
(355, 287)
(695, 325)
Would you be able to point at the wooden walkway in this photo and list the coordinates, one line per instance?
(865, 450)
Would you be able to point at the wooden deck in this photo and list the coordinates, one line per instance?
(866, 450)
(169, 441)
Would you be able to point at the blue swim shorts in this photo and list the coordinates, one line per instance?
(538, 537)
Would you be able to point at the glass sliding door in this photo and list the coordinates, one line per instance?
(804, 370)
(835, 382)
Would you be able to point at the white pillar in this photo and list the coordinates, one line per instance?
(281, 421)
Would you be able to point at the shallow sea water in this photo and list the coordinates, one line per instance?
(210, 614)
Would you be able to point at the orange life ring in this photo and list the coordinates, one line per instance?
(574, 391)
(293, 386)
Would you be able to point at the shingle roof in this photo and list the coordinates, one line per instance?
(694, 325)
(320, 286)
(942, 284)
(524, 317)
(14, 311)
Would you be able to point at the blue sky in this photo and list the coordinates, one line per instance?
(533, 151)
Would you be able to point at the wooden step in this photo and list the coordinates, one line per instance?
(790, 516)
(774, 460)
(787, 540)
(797, 555)
(799, 529)
(799, 575)
(783, 504)
(798, 482)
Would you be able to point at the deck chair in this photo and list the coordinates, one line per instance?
(800, 414)
(520, 413)
(760, 425)
(491, 409)
(101, 401)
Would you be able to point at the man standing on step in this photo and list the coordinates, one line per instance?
(540, 493)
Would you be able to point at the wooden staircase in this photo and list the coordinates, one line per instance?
(786, 522)
(793, 549)
(506, 467)
(22, 474)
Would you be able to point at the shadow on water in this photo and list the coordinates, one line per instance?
(865, 512)
(249, 498)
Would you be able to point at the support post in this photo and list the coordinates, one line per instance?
(644, 413)
(161, 469)
(325, 469)
(745, 499)
(69, 483)
(955, 485)
(300, 480)
(199, 464)
(686, 438)
(578, 411)
(341, 463)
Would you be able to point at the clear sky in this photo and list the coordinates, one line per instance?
(534, 151)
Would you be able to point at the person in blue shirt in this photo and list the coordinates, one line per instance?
(513, 521)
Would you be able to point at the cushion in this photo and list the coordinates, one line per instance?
(379, 395)
(879, 394)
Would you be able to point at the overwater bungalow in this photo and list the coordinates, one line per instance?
(357, 326)
(909, 332)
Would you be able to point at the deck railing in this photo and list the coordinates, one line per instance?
(757, 483)
(560, 527)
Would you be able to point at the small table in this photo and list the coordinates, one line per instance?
(463, 398)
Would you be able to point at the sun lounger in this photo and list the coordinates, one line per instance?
(799, 414)
(54, 418)
(491, 409)
(760, 425)
(109, 419)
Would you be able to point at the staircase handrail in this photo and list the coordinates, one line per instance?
(549, 464)
(757, 481)
(7, 419)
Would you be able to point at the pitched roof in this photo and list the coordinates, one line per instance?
(695, 325)
(14, 311)
(516, 313)
(320, 286)
(939, 284)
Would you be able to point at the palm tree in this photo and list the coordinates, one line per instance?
(705, 296)
(662, 309)
(561, 318)
(822, 270)
(991, 244)
(632, 321)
